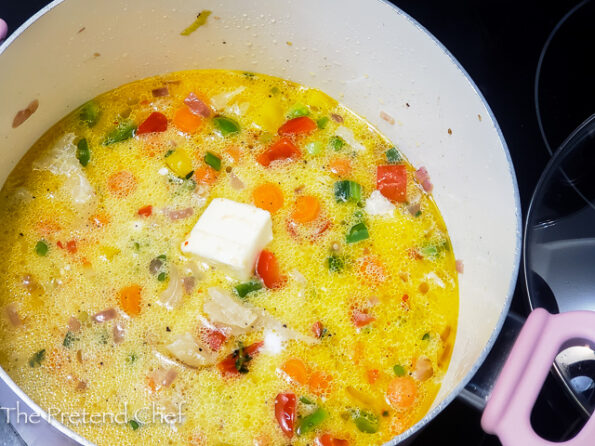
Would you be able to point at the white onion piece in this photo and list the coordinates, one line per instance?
(61, 160)
(224, 309)
(347, 135)
(13, 316)
(235, 182)
(187, 350)
(192, 267)
(423, 369)
(219, 101)
(270, 323)
(118, 332)
(171, 297)
(298, 277)
(378, 204)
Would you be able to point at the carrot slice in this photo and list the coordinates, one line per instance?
(296, 370)
(187, 121)
(121, 183)
(306, 209)
(401, 392)
(129, 298)
(234, 153)
(268, 197)
(206, 175)
(340, 167)
(320, 383)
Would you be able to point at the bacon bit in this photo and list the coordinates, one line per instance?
(188, 283)
(337, 118)
(450, 131)
(13, 316)
(423, 177)
(74, 325)
(118, 333)
(361, 318)
(423, 369)
(146, 211)
(317, 329)
(105, 315)
(460, 266)
(178, 214)
(81, 30)
(405, 297)
(414, 209)
(479, 117)
(388, 118)
(373, 375)
(414, 254)
(160, 92)
(23, 115)
(161, 378)
(197, 106)
(81, 386)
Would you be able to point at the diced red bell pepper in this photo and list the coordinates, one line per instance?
(285, 412)
(213, 337)
(328, 440)
(391, 181)
(228, 365)
(69, 246)
(267, 268)
(361, 318)
(283, 149)
(156, 122)
(297, 126)
(146, 211)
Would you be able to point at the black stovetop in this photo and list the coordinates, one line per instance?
(499, 43)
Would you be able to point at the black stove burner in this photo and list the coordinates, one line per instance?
(564, 80)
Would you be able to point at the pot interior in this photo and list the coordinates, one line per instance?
(369, 55)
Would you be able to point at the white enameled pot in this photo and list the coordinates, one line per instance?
(366, 53)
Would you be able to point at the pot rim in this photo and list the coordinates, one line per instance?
(430, 415)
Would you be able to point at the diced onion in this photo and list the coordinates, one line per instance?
(187, 350)
(171, 297)
(224, 309)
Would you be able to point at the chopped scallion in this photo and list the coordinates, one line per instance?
(213, 160)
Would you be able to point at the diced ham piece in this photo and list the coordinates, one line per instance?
(74, 325)
(105, 315)
(178, 214)
(197, 106)
(460, 267)
(160, 92)
(423, 177)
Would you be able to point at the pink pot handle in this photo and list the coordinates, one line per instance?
(508, 412)
(3, 29)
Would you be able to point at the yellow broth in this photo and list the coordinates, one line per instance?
(67, 260)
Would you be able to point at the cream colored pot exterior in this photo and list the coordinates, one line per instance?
(366, 53)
